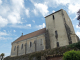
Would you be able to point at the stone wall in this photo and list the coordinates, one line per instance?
(37, 44)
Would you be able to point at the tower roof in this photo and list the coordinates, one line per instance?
(53, 13)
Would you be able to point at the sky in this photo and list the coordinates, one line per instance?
(26, 16)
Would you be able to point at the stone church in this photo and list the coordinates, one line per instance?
(59, 32)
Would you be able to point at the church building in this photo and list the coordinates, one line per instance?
(59, 32)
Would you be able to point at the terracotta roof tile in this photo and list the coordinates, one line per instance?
(41, 31)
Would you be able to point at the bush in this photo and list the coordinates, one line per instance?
(71, 55)
(77, 45)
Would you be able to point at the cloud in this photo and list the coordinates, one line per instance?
(33, 21)
(42, 8)
(3, 33)
(78, 33)
(35, 12)
(73, 8)
(77, 26)
(27, 26)
(75, 17)
(73, 5)
(3, 21)
(62, 2)
(27, 12)
(14, 30)
(0, 1)
(41, 26)
(18, 4)
(53, 11)
(11, 13)
(14, 18)
(4, 36)
(17, 7)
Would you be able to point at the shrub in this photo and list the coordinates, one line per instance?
(78, 45)
(75, 45)
(71, 55)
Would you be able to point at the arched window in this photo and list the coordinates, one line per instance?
(56, 34)
(22, 46)
(40, 41)
(30, 44)
(18, 46)
(25, 44)
(57, 44)
(53, 17)
(14, 48)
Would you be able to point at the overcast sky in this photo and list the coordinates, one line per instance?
(26, 16)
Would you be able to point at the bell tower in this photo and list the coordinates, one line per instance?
(61, 31)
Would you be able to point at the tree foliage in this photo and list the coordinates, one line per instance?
(78, 18)
(2, 55)
(77, 45)
(71, 55)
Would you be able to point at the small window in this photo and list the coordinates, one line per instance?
(40, 41)
(70, 42)
(18, 46)
(35, 42)
(14, 48)
(56, 34)
(30, 44)
(22, 46)
(57, 44)
(53, 17)
(25, 44)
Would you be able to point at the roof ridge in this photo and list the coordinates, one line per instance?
(35, 33)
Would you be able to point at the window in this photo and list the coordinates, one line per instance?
(40, 41)
(70, 42)
(56, 34)
(25, 44)
(53, 17)
(14, 48)
(35, 42)
(30, 44)
(22, 46)
(57, 44)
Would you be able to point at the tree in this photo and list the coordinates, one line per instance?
(2, 55)
(78, 18)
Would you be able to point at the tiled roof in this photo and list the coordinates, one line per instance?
(41, 31)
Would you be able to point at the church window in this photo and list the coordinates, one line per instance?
(30, 44)
(53, 17)
(34, 42)
(70, 42)
(22, 46)
(57, 44)
(25, 44)
(40, 41)
(56, 34)
(14, 48)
